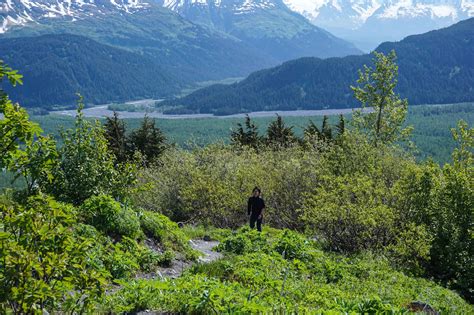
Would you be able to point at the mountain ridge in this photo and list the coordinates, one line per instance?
(268, 25)
(370, 22)
(435, 67)
(192, 52)
(57, 66)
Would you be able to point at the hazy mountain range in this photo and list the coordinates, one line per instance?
(370, 22)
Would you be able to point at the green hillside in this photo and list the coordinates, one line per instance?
(56, 67)
(436, 67)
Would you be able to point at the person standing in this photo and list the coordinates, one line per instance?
(255, 208)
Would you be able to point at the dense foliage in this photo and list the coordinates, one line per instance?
(282, 271)
(85, 166)
(45, 264)
(436, 67)
(351, 195)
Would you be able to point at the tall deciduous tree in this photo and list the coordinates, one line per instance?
(376, 92)
(22, 148)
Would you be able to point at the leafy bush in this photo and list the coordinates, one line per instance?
(86, 167)
(44, 264)
(441, 201)
(292, 245)
(244, 241)
(108, 216)
(350, 213)
(120, 262)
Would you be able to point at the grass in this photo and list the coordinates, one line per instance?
(205, 232)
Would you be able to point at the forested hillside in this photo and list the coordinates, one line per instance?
(56, 67)
(436, 67)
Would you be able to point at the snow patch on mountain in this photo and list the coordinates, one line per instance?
(406, 8)
(361, 10)
(21, 12)
(307, 8)
(251, 5)
(468, 6)
(239, 7)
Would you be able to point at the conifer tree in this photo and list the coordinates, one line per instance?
(326, 131)
(149, 140)
(341, 125)
(279, 135)
(114, 129)
(311, 131)
(248, 136)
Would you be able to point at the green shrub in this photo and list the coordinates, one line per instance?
(86, 167)
(167, 258)
(351, 214)
(120, 262)
(244, 241)
(108, 216)
(292, 245)
(441, 201)
(44, 264)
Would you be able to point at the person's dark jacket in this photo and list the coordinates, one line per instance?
(255, 206)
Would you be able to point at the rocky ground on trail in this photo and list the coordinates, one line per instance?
(180, 264)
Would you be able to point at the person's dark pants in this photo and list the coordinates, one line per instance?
(258, 221)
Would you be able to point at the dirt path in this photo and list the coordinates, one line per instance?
(206, 247)
(179, 265)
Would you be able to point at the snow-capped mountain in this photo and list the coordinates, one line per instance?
(268, 25)
(21, 12)
(368, 22)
